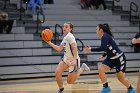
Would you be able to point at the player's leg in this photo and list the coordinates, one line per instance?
(72, 77)
(62, 66)
(102, 70)
(121, 78)
(120, 69)
(75, 71)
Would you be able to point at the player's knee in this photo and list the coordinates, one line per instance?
(57, 74)
(70, 81)
(57, 77)
(120, 78)
(100, 69)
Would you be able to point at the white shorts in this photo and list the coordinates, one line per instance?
(72, 69)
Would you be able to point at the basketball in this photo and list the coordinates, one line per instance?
(47, 34)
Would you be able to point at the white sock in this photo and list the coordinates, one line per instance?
(61, 87)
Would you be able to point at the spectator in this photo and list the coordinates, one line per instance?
(34, 5)
(85, 4)
(50, 1)
(5, 23)
(97, 3)
(24, 1)
(136, 42)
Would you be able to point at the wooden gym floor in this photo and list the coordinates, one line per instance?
(84, 84)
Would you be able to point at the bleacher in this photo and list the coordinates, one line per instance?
(24, 55)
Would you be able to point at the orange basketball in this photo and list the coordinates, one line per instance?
(47, 34)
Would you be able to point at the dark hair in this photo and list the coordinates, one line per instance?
(71, 26)
(105, 28)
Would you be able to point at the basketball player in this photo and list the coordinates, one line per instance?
(70, 60)
(114, 58)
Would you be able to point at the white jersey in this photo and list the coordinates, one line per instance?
(68, 54)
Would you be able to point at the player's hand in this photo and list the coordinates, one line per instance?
(101, 58)
(87, 49)
(133, 41)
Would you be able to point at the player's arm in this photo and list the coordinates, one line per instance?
(104, 42)
(104, 54)
(135, 41)
(74, 50)
(55, 47)
(101, 58)
(138, 40)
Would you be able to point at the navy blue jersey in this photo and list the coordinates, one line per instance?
(108, 45)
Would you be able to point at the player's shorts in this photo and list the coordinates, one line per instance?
(119, 63)
(72, 69)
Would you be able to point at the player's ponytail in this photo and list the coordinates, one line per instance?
(105, 28)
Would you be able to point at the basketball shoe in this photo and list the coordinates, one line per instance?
(84, 68)
(131, 91)
(106, 90)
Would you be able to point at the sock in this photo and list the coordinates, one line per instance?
(130, 87)
(105, 84)
(61, 88)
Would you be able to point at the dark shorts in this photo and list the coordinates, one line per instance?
(119, 63)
